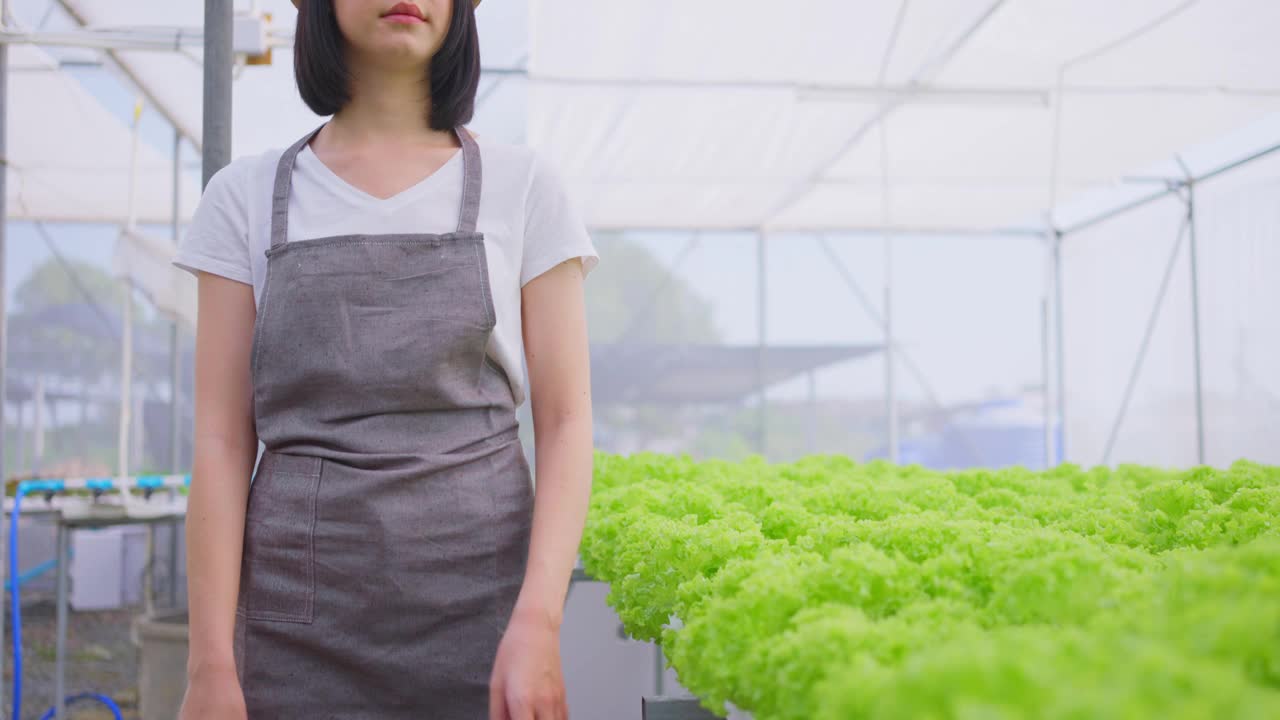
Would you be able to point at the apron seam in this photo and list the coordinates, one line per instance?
(260, 320)
(367, 239)
(486, 293)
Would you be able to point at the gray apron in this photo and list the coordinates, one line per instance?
(388, 521)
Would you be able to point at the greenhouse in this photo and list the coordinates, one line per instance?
(932, 345)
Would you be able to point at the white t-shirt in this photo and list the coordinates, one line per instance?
(530, 224)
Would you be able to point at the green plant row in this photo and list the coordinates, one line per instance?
(831, 589)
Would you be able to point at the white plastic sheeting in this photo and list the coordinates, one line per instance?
(732, 114)
(1113, 273)
(724, 113)
(69, 157)
(941, 117)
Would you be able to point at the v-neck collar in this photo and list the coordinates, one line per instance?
(334, 180)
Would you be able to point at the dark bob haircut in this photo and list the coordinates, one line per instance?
(324, 81)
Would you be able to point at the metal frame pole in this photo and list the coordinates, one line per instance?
(891, 388)
(175, 369)
(37, 425)
(811, 424)
(1044, 387)
(886, 215)
(60, 638)
(1060, 347)
(659, 670)
(1195, 316)
(218, 64)
(762, 340)
(4, 395)
(126, 382)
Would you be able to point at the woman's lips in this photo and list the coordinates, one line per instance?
(404, 12)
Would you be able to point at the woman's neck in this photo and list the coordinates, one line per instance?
(386, 105)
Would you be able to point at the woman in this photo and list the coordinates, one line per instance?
(366, 299)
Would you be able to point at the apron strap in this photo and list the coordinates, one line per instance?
(470, 211)
(467, 215)
(280, 193)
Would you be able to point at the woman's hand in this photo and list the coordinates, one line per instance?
(213, 694)
(527, 682)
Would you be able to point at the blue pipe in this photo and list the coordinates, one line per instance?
(111, 705)
(25, 487)
(34, 572)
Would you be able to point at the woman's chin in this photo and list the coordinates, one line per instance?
(397, 53)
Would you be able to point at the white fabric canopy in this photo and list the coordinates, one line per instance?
(725, 113)
(733, 114)
(174, 80)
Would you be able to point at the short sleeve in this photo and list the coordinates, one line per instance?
(554, 230)
(217, 240)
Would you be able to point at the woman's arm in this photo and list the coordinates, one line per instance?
(556, 352)
(527, 680)
(226, 446)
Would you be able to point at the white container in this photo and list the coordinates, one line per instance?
(95, 568)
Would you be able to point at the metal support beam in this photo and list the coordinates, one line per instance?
(891, 389)
(886, 218)
(126, 382)
(218, 64)
(1195, 314)
(175, 380)
(811, 422)
(761, 344)
(174, 349)
(957, 233)
(1171, 189)
(659, 670)
(1044, 383)
(1142, 349)
(38, 425)
(60, 634)
(1059, 347)
(4, 214)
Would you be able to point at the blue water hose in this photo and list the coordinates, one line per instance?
(111, 705)
(24, 487)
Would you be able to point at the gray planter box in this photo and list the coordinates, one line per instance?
(162, 664)
(674, 708)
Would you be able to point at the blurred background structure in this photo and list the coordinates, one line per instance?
(950, 232)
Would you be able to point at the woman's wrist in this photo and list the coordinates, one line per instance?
(210, 662)
(538, 613)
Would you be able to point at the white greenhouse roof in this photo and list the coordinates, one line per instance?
(745, 114)
(722, 113)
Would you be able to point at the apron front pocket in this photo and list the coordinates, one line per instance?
(277, 578)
